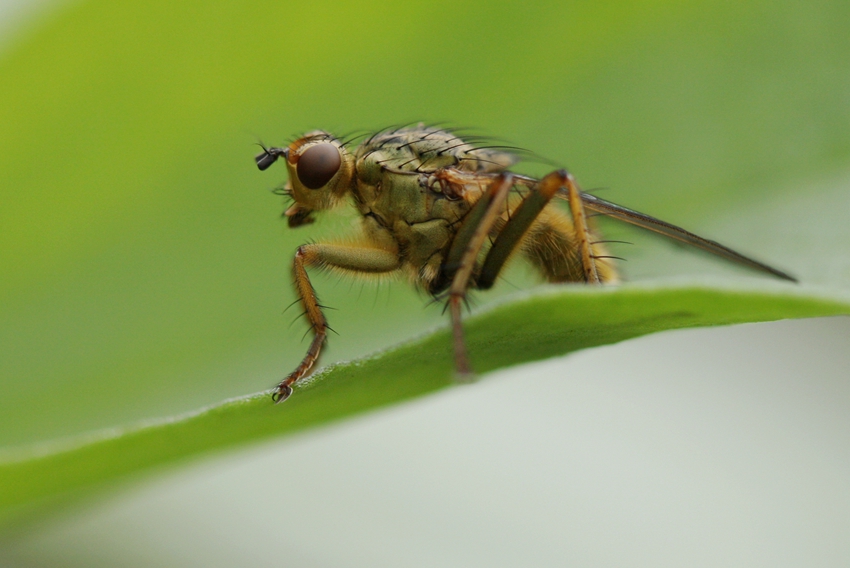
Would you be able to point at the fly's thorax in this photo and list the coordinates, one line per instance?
(411, 211)
(321, 171)
(409, 198)
(424, 149)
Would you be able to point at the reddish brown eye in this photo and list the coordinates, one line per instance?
(318, 165)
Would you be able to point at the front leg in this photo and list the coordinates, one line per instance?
(346, 258)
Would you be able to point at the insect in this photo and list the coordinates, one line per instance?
(449, 215)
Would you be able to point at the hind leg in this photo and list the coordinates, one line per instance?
(560, 249)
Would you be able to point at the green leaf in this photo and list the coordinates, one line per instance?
(145, 268)
(533, 326)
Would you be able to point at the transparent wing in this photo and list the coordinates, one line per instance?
(594, 203)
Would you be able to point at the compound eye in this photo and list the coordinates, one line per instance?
(318, 165)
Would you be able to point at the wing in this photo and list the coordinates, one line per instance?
(594, 203)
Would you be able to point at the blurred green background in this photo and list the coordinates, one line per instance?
(144, 265)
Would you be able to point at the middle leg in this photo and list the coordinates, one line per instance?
(463, 256)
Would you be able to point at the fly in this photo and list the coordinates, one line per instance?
(448, 215)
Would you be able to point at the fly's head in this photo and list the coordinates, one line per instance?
(320, 169)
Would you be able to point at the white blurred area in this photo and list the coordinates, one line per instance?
(707, 447)
(16, 15)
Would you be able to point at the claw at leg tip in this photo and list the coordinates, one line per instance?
(281, 393)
